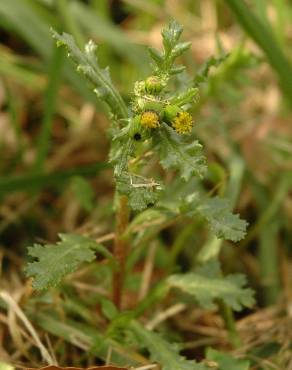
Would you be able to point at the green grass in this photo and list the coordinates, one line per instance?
(261, 32)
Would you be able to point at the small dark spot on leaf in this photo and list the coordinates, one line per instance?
(137, 136)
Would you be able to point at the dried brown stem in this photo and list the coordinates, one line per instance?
(120, 249)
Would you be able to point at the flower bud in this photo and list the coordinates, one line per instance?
(153, 85)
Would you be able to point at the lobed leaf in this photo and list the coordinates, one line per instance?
(203, 73)
(156, 56)
(172, 49)
(171, 35)
(87, 64)
(207, 285)
(179, 154)
(191, 95)
(121, 151)
(217, 211)
(222, 221)
(54, 261)
(161, 351)
(141, 192)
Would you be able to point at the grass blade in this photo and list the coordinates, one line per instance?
(69, 22)
(54, 78)
(109, 33)
(28, 182)
(265, 39)
(16, 15)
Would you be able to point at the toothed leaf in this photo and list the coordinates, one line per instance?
(120, 154)
(54, 261)
(161, 351)
(171, 35)
(86, 62)
(178, 153)
(222, 221)
(142, 192)
(172, 49)
(207, 285)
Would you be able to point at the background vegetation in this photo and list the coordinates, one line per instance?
(55, 176)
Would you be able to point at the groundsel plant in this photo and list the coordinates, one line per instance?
(157, 126)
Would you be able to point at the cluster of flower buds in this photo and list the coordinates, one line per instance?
(151, 110)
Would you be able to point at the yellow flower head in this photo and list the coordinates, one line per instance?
(182, 123)
(149, 119)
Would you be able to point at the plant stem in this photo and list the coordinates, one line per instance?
(120, 249)
(228, 318)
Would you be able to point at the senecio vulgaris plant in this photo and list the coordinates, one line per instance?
(157, 124)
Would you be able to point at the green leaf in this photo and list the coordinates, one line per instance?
(225, 361)
(179, 154)
(180, 48)
(172, 49)
(171, 35)
(190, 96)
(262, 34)
(156, 56)
(87, 64)
(149, 215)
(121, 150)
(87, 337)
(50, 109)
(141, 192)
(223, 222)
(54, 261)
(203, 73)
(83, 192)
(217, 211)
(161, 351)
(206, 285)
(108, 308)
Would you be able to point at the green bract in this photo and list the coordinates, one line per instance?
(170, 112)
(154, 85)
(136, 130)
